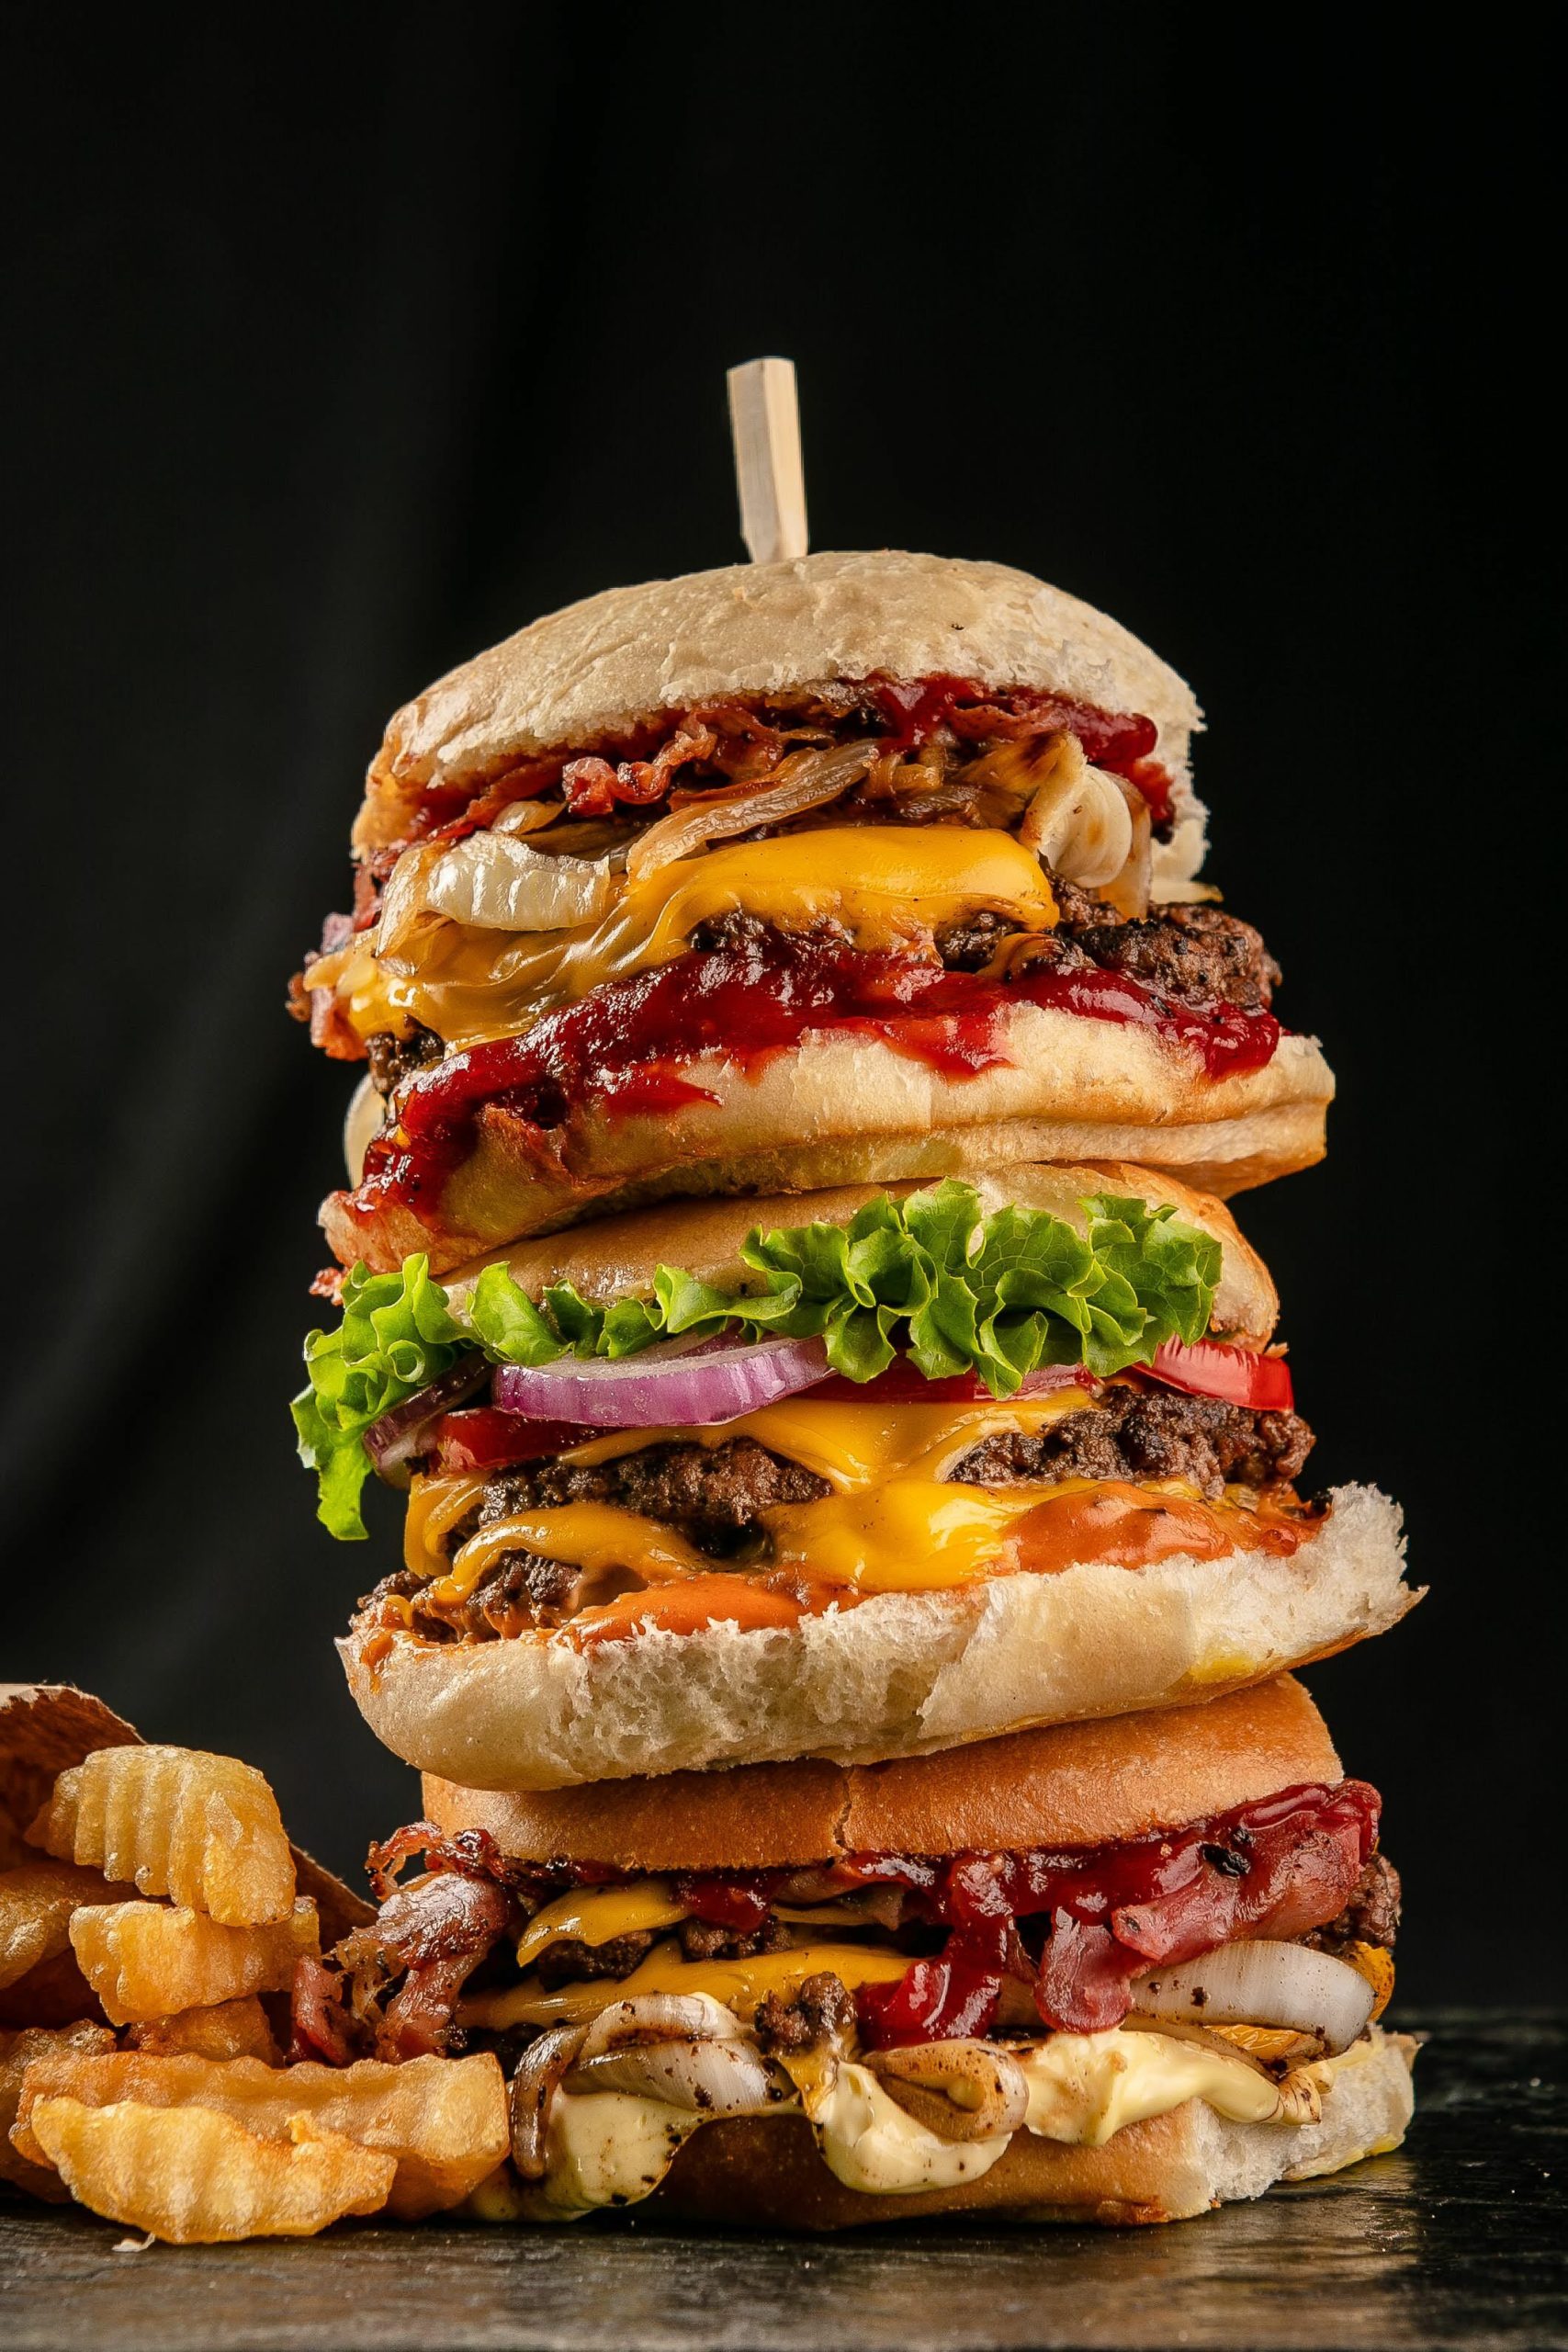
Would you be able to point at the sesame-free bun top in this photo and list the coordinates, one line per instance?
(1071, 1785)
(594, 671)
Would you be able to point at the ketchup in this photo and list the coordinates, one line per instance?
(1275, 1868)
(622, 1046)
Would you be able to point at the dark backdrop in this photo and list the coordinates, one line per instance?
(344, 343)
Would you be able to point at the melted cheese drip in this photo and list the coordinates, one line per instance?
(739, 1983)
(886, 884)
(586, 1535)
(598, 1919)
(891, 1525)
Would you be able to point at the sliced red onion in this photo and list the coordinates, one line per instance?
(670, 1384)
(397, 1436)
(1262, 1983)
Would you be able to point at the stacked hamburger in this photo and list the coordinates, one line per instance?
(857, 1544)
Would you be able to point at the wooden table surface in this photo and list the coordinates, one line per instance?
(1459, 2239)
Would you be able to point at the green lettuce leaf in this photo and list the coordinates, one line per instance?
(997, 1296)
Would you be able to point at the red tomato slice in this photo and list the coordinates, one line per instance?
(483, 1438)
(1237, 1375)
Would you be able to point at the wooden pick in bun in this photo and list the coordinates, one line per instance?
(789, 876)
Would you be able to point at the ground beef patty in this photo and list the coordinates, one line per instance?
(1371, 1915)
(716, 1496)
(1137, 1433)
(712, 1494)
(393, 1058)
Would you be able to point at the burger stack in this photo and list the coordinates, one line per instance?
(856, 1539)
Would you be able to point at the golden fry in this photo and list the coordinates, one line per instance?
(17, 2052)
(202, 1830)
(230, 2029)
(35, 1904)
(151, 1960)
(55, 1993)
(196, 2178)
(443, 2120)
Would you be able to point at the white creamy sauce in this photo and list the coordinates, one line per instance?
(614, 2147)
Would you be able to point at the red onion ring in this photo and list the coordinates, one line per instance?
(688, 1388)
(396, 1437)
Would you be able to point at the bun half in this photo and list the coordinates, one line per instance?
(1071, 1785)
(843, 1109)
(768, 2174)
(592, 672)
(900, 1675)
(616, 1257)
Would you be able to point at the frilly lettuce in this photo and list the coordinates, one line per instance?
(995, 1296)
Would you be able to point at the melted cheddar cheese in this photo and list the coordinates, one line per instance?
(893, 1521)
(739, 1983)
(886, 885)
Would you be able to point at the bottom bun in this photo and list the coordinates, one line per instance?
(766, 2173)
(901, 1675)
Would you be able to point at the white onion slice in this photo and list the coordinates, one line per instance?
(1262, 1983)
(708, 2077)
(680, 1386)
(653, 2016)
(495, 882)
(366, 1117)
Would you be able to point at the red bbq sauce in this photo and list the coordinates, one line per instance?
(623, 1046)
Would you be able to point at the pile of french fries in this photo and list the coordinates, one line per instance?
(151, 1921)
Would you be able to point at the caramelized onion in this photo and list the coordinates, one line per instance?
(1079, 821)
(495, 882)
(804, 780)
(532, 2095)
(709, 2077)
(961, 2090)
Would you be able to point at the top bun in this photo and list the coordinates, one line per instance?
(1068, 1786)
(615, 1257)
(593, 671)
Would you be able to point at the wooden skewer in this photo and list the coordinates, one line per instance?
(764, 419)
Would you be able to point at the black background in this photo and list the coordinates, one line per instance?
(343, 343)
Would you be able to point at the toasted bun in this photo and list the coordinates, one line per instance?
(841, 1109)
(593, 671)
(767, 2172)
(616, 1257)
(901, 1675)
(1074, 1785)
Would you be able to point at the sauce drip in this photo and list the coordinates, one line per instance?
(622, 1047)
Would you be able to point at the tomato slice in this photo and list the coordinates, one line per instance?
(1236, 1375)
(484, 1438)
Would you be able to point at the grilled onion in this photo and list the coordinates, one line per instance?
(1262, 1983)
(804, 780)
(707, 2077)
(1078, 822)
(532, 2095)
(960, 2090)
(656, 2016)
(495, 882)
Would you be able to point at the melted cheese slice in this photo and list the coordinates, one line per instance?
(739, 1983)
(886, 884)
(892, 1525)
(588, 1918)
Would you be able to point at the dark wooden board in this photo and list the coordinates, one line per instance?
(1461, 2239)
